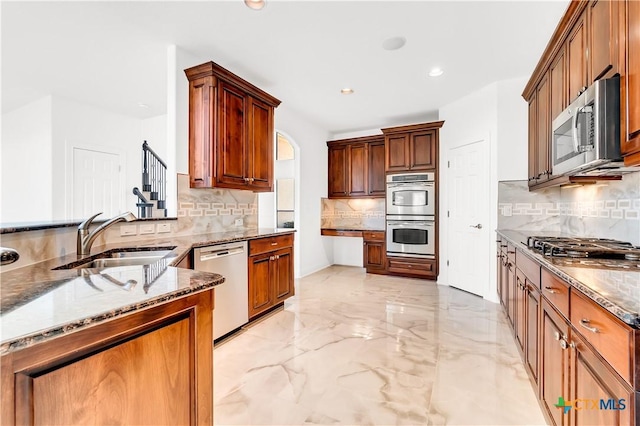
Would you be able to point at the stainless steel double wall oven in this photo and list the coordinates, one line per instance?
(410, 215)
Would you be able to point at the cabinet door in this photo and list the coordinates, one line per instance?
(512, 294)
(576, 58)
(377, 183)
(532, 303)
(422, 150)
(260, 146)
(558, 87)
(358, 169)
(520, 312)
(555, 363)
(283, 279)
(543, 133)
(504, 271)
(261, 295)
(202, 112)
(591, 381)
(232, 136)
(397, 153)
(533, 141)
(338, 171)
(375, 255)
(630, 84)
(603, 38)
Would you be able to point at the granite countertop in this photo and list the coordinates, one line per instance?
(38, 303)
(352, 228)
(618, 291)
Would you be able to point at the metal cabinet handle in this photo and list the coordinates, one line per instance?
(556, 335)
(478, 226)
(585, 324)
(274, 244)
(551, 290)
(564, 344)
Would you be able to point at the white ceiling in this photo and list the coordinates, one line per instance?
(113, 54)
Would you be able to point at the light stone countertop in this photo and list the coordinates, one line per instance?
(617, 291)
(38, 303)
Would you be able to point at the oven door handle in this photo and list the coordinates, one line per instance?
(415, 185)
(414, 224)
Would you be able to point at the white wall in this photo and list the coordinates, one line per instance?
(315, 252)
(26, 163)
(498, 112)
(84, 126)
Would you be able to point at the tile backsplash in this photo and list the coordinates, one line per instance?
(362, 213)
(199, 211)
(607, 210)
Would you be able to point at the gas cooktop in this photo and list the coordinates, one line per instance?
(587, 252)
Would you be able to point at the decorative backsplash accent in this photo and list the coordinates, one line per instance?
(365, 213)
(608, 210)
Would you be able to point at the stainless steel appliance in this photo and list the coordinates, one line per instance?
(587, 252)
(411, 236)
(229, 260)
(586, 135)
(411, 194)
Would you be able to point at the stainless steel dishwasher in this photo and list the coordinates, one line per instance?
(231, 297)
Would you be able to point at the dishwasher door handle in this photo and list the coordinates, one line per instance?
(217, 254)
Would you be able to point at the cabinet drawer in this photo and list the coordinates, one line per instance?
(404, 265)
(606, 334)
(375, 236)
(556, 291)
(529, 267)
(511, 252)
(268, 244)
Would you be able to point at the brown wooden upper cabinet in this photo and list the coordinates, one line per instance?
(230, 131)
(595, 39)
(630, 82)
(412, 148)
(356, 167)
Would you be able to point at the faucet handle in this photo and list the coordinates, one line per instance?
(85, 225)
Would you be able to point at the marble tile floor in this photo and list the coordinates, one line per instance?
(359, 349)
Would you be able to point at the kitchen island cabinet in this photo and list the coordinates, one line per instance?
(230, 131)
(153, 366)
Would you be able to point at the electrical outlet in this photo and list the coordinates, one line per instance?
(164, 227)
(239, 222)
(126, 230)
(147, 228)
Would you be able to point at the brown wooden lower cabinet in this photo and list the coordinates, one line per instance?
(270, 273)
(554, 356)
(153, 366)
(375, 252)
(575, 352)
(412, 267)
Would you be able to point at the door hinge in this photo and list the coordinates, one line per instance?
(447, 213)
(448, 164)
(447, 263)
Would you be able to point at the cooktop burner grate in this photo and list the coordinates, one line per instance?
(581, 248)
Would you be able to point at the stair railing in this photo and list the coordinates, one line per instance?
(154, 176)
(145, 208)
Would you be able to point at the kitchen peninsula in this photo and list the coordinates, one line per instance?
(134, 343)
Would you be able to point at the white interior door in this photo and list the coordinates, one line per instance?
(469, 215)
(96, 183)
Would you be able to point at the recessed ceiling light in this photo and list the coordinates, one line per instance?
(255, 4)
(346, 91)
(393, 43)
(436, 72)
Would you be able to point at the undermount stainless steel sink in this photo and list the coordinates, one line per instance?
(120, 257)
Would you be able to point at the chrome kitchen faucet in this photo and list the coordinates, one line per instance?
(86, 238)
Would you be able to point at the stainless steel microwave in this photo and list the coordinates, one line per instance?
(586, 135)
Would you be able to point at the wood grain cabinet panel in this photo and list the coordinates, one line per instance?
(271, 270)
(150, 367)
(630, 82)
(604, 32)
(356, 168)
(375, 251)
(231, 131)
(412, 148)
(577, 78)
